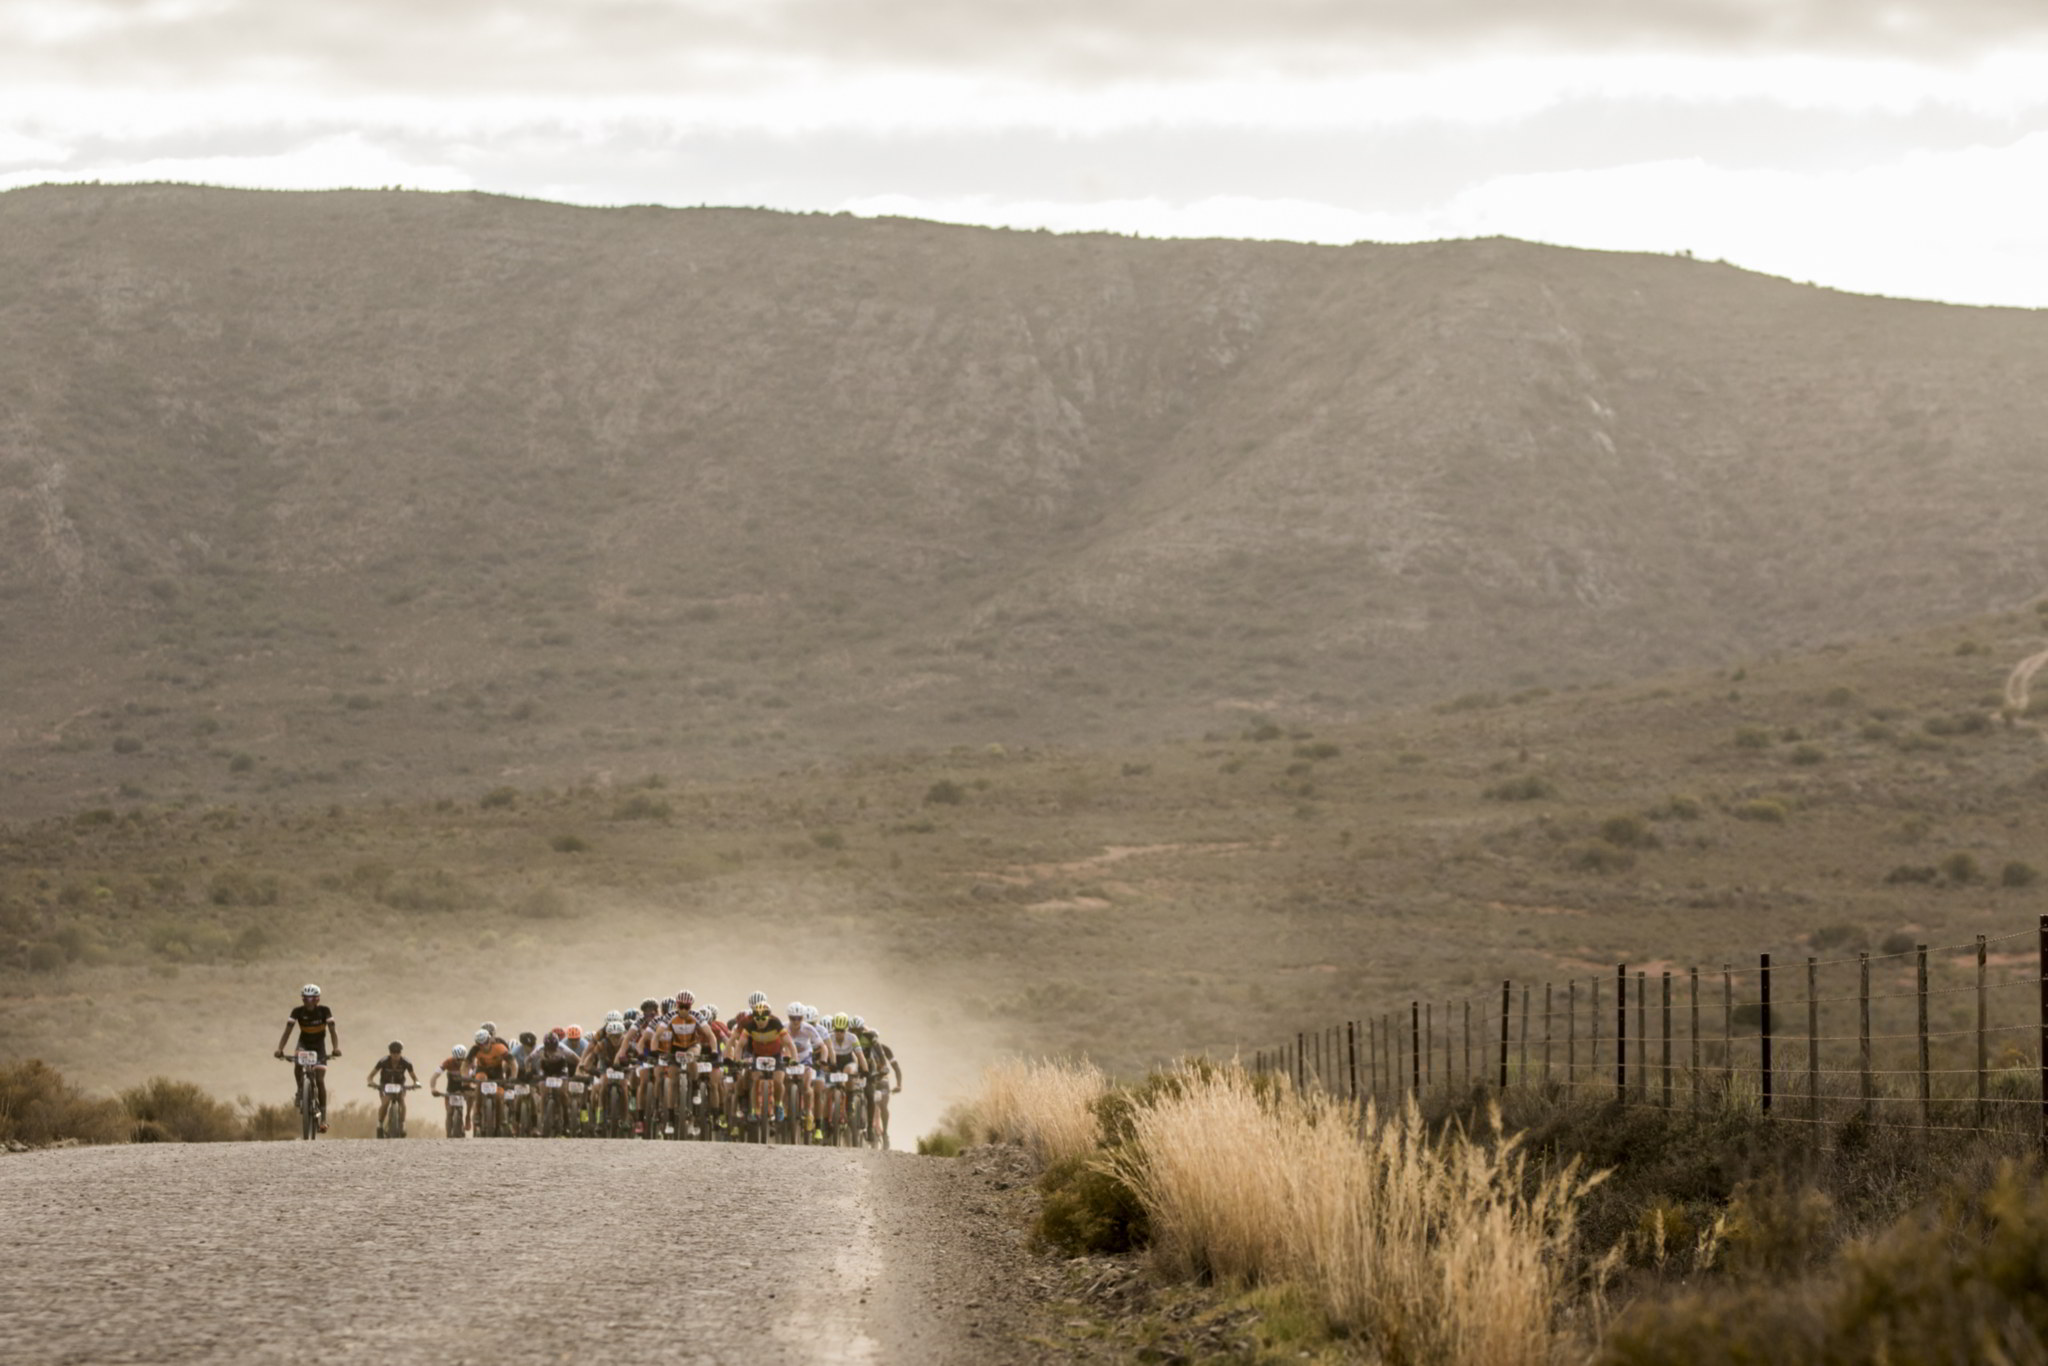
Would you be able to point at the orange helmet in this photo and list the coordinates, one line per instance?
(575, 1031)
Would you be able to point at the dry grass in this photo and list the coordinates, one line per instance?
(1045, 1106)
(1435, 1249)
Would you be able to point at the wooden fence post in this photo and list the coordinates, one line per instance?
(1643, 1034)
(1415, 1049)
(1764, 1038)
(1983, 1052)
(1863, 1082)
(1694, 974)
(1507, 1000)
(1812, 1039)
(1667, 1041)
(1547, 1006)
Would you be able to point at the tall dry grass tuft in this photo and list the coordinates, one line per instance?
(1046, 1106)
(1436, 1250)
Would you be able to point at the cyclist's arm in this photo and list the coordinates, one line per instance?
(333, 1033)
(434, 1082)
(284, 1038)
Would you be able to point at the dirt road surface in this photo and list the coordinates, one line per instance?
(503, 1252)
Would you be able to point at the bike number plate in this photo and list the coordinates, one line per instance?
(308, 1058)
(575, 1088)
(392, 1088)
(764, 1064)
(554, 1083)
(489, 1088)
(521, 1091)
(799, 1072)
(615, 1074)
(836, 1078)
(703, 1067)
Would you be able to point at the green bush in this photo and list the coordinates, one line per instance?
(37, 1106)
(179, 1112)
(1752, 737)
(1321, 749)
(1963, 1281)
(1898, 942)
(569, 844)
(1679, 808)
(940, 1144)
(945, 792)
(1086, 1209)
(2018, 874)
(1761, 809)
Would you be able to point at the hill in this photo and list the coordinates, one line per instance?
(1128, 902)
(346, 495)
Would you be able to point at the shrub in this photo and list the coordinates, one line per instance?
(1047, 1107)
(498, 797)
(1761, 809)
(1527, 788)
(250, 943)
(1808, 755)
(127, 744)
(1838, 697)
(1752, 737)
(1679, 808)
(569, 844)
(642, 807)
(940, 1144)
(432, 890)
(179, 1112)
(238, 887)
(1264, 731)
(1598, 856)
(945, 792)
(1961, 867)
(38, 1106)
(1321, 749)
(1087, 1208)
(241, 763)
(1898, 942)
(45, 956)
(1628, 832)
(1912, 874)
(2018, 874)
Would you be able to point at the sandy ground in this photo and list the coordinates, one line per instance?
(505, 1252)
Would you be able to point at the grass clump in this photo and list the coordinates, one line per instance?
(1760, 809)
(167, 1111)
(1044, 1106)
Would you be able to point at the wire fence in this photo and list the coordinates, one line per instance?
(1947, 1037)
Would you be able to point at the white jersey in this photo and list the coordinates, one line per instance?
(807, 1039)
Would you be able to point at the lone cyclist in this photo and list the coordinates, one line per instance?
(316, 1027)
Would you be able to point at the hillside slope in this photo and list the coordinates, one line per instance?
(373, 490)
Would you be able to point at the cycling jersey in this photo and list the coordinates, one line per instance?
(393, 1070)
(763, 1035)
(492, 1060)
(555, 1062)
(452, 1070)
(313, 1023)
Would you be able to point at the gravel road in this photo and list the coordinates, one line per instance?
(504, 1252)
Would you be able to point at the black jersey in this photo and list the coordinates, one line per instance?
(313, 1022)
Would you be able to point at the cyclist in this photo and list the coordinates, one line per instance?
(455, 1069)
(806, 1034)
(393, 1069)
(760, 1035)
(880, 1060)
(551, 1067)
(525, 1107)
(316, 1026)
(841, 1056)
(490, 1062)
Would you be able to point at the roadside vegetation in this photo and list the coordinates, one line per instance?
(1544, 1230)
(39, 1108)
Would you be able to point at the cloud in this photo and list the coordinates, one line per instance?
(342, 161)
(653, 46)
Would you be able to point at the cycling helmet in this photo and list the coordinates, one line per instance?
(859, 1023)
(632, 1017)
(461, 1052)
(483, 1036)
(796, 1011)
(552, 1042)
(705, 1014)
(526, 1037)
(842, 1022)
(615, 1028)
(396, 1047)
(668, 1005)
(558, 1032)
(647, 1006)
(611, 1015)
(309, 991)
(757, 1001)
(576, 1032)
(686, 999)
(489, 1028)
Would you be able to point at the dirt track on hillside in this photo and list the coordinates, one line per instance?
(504, 1252)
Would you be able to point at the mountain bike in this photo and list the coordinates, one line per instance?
(554, 1106)
(698, 1081)
(490, 1109)
(456, 1123)
(612, 1121)
(394, 1114)
(310, 1065)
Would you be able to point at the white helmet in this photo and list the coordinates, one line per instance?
(488, 1028)
(611, 1015)
(615, 1028)
(796, 1010)
(461, 1052)
(759, 998)
(309, 991)
(483, 1036)
(859, 1023)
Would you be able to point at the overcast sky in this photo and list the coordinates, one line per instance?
(1884, 146)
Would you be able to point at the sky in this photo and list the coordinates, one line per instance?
(1894, 147)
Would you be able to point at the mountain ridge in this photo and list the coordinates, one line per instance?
(452, 484)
